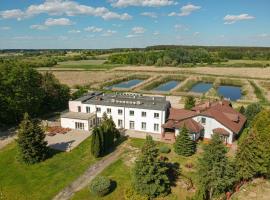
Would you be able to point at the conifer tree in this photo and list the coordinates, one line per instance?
(150, 174)
(96, 146)
(184, 145)
(216, 174)
(189, 102)
(253, 154)
(32, 146)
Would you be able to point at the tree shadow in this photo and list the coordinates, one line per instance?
(118, 142)
(174, 172)
(60, 147)
(113, 186)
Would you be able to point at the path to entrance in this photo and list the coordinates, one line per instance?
(85, 179)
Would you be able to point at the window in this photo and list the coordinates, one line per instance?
(131, 124)
(156, 127)
(99, 120)
(131, 113)
(79, 108)
(109, 111)
(79, 126)
(98, 109)
(143, 114)
(120, 123)
(120, 112)
(156, 115)
(143, 125)
(87, 109)
(203, 120)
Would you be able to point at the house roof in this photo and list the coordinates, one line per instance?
(78, 115)
(218, 110)
(190, 124)
(221, 131)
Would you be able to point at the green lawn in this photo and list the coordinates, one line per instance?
(87, 65)
(44, 180)
(120, 172)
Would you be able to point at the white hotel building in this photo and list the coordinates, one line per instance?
(128, 111)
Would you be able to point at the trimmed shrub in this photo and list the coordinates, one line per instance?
(100, 186)
(164, 149)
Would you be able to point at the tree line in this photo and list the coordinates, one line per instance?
(24, 90)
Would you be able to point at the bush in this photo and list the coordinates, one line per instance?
(100, 186)
(130, 194)
(164, 149)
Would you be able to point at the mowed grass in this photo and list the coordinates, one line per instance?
(120, 173)
(87, 65)
(44, 180)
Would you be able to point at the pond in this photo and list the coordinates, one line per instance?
(230, 92)
(167, 86)
(201, 87)
(126, 84)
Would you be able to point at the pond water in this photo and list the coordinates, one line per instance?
(126, 84)
(167, 86)
(231, 92)
(201, 87)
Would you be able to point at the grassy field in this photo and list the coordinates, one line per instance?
(120, 172)
(44, 180)
(247, 62)
(87, 65)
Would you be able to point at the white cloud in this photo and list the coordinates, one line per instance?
(149, 14)
(185, 10)
(156, 33)
(143, 3)
(109, 33)
(93, 29)
(231, 19)
(196, 34)
(5, 28)
(132, 36)
(74, 31)
(58, 22)
(62, 38)
(38, 27)
(264, 35)
(180, 27)
(138, 30)
(63, 7)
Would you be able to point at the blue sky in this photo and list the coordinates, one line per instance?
(133, 23)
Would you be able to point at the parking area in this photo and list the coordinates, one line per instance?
(68, 141)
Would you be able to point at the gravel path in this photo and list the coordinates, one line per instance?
(85, 179)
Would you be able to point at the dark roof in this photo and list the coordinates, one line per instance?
(181, 114)
(130, 100)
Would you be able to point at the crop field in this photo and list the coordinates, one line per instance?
(86, 65)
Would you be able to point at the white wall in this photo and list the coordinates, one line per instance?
(212, 124)
(70, 123)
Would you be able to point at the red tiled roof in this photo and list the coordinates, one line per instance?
(181, 114)
(221, 131)
(190, 124)
(219, 110)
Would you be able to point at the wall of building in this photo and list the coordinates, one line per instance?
(70, 123)
(212, 124)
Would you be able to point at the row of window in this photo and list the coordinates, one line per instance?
(120, 111)
(132, 125)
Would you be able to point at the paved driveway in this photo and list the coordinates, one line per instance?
(68, 141)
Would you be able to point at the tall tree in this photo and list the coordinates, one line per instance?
(56, 94)
(32, 146)
(184, 145)
(96, 144)
(150, 174)
(253, 154)
(189, 102)
(215, 173)
(251, 111)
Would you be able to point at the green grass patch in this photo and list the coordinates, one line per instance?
(44, 180)
(155, 84)
(117, 172)
(266, 85)
(259, 93)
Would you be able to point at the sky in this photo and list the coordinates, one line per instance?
(99, 24)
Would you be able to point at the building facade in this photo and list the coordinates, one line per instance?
(128, 111)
